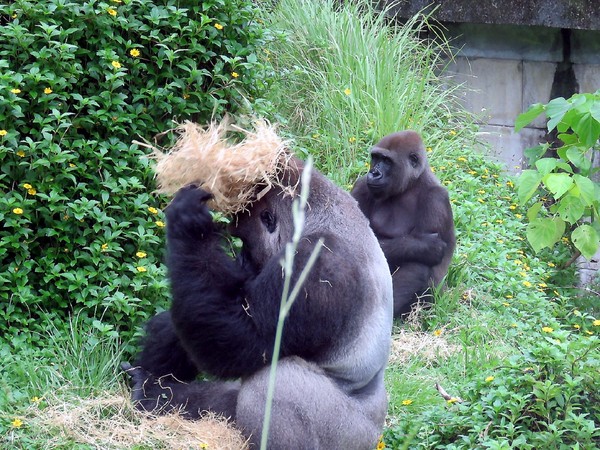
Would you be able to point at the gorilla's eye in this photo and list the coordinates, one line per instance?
(268, 219)
(414, 159)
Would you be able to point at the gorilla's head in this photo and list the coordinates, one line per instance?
(397, 161)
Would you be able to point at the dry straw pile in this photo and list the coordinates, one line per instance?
(230, 171)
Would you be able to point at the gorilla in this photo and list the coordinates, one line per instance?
(410, 213)
(329, 390)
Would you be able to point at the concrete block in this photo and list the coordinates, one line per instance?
(588, 77)
(495, 88)
(537, 84)
(585, 47)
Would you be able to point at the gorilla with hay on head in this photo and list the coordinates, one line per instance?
(329, 390)
(410, 213)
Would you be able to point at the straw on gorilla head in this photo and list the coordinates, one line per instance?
(230, 171)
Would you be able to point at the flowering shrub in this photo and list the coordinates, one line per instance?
(79, 81)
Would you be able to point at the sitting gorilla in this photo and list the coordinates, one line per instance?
(329, 385)
(411, 216)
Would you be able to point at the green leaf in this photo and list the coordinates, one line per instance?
(571, 208)
(587, 189)
(577, 155)
(528, 182)
(587, 128)
(535, 153)
(558, 183)
(528, 116)
(546, 165)
(555, 110)
(533, 211)
(586, 240)
(544, 232)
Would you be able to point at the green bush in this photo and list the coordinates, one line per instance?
(79, 81)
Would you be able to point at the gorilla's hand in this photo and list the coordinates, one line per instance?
(188, 216)
(435, 246)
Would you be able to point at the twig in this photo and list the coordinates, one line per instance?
(447, 396)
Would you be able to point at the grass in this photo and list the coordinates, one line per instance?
(488, 322)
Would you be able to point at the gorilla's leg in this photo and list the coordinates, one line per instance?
(410, 283)
(162, 353)
(310, 411)
(161, 395)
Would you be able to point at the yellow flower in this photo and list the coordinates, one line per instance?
(406, 402)
(152, 210)
(596, 323)
(452, 400)
(18, 211)
(3, 132)
(116, 64)
(508, 296)
(47, 91)
(35, 399)
(112, 12)
(347, 91)
(141, 269)
(489, 379)
(519, 216)
(17, 423)
(480, 200)
(380, 445)
(104, 246)
(462, 159)
(437, 332)
(452, 133)
(505, 304)
(512, 207)
(352, 140)
(235, 74)
(576, 326)
(218, 26)
(27, 186)
(203, 446)
(31, 191)
(160, 223)
(547, 329)
(15, 91)
(589, 333)
(134, 52)
(140, 254)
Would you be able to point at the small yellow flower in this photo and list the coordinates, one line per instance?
(347, 91)
(452, 133)
(218, 26)
(577, 327)
(203, 446)
(510, 184)
(141, 269)
(352, 140)
(35, 399)
(31, 191)
(104, 246)
(15, 91)
(406, 402)
(152, 210)
(380, 445)
(71, 165)
(47, 91)
(437, 332)
(519, 216)
(140, 254)
(547, 329)
(512, 207)
(27, 186)
(235, 74)
(160, 223)
(489, 379)
(589, 333)
(543, 285)
(116, 64)
(462, 159)
(112, 12)
(452, 400)
(3, 132)
(17, 211)
(513, 325)
(480, 200)
(505, 304)
(134, 52)
(596, 323)
(17, 423)
(508, 296)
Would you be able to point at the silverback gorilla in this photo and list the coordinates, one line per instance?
(222, 322)
(411, 216)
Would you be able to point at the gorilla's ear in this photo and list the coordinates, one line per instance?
(269, 220)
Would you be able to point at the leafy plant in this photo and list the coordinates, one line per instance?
(566, 193)
(79, 81)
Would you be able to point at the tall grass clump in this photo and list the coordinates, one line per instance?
(348, 76)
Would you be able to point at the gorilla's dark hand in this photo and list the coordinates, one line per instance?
(435, 246)
(188, 216)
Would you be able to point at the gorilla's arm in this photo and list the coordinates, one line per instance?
(431, 237)
(225, 316)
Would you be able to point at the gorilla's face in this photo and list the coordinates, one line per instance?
(396, 162)
(265, 228)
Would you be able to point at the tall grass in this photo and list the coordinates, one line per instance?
(349, 76)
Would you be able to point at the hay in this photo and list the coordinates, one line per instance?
(111, 422)
(409, 344)
(230, 171)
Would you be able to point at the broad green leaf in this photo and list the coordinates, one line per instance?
(595, 109)
(587, 189)
(558, 183)
(542, 232)
(555, 110)
(585, 239)
(535, 153)
(528, 116)
(577, 155)
(587, 128)
(528, 182)
(570, 208)
(568, 138)
(546, 165)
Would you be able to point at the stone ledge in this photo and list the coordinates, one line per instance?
(573, 14)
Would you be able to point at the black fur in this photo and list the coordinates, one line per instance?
(411, 216)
